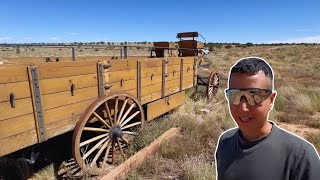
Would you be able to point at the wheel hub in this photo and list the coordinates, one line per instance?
(115, 132)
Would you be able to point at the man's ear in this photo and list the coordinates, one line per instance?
(272, 98)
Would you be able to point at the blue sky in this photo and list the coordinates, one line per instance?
(259, 21)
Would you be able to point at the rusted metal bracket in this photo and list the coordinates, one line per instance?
(107, 86)
(181, 74)
(73, 54)
(107, 66)
(195, 72)
(12, 100)
(139, 80)
(101, 79)
(164, 76)
(37, 102)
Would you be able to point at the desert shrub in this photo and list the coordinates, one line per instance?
(228, 46)
(314, 138)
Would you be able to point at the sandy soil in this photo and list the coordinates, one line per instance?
(300, 130)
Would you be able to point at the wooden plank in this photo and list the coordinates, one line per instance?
(187, 67)
(133, 92)
(137, 159)
(174, 61)
(63, 112)
(172, 76)
(173, 83)
(146, 81)
(147, 72)
(172, 90)
(17, 142)
(55, 85)
(60, 127)
(50, 101)
(16, 125)
(55, 70)
(187, 34)
(166, 105)
(10, 74)
(116, 76)
(126, 85)
(150, 97)
(20, 90)
(122, 65)
(188, 60)
(173, 68)
(188, 73)
(188, 83)
(151, 63)
(150, 89)
(22, 107)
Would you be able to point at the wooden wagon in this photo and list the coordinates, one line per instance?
(104, 102)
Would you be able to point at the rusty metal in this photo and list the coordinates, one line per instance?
(12, 100)
(101, 86)
(38, 105)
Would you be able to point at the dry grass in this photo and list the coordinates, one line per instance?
(190, 156)
(314, 138)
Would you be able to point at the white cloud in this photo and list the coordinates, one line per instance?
(5, 38)
(55, 38)
(308, 39)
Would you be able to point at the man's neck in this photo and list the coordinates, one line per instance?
(258, 134)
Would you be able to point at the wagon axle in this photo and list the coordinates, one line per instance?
(115, 133)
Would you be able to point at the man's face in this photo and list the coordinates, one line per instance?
(251, 118)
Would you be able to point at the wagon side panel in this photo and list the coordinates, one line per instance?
(17, 123)
(67, 89)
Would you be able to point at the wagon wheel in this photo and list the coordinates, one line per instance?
(212, 85)
(105, 129)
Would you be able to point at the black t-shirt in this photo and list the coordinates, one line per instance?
(278, 156)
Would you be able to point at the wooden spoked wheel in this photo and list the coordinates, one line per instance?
(212, 85)
(105, 129)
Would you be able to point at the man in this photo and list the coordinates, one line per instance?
(257, 149)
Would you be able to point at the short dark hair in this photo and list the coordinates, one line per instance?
(252, 65)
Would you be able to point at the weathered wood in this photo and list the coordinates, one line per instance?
(9, 73)
(147, 72)
(16, 125)
(18, 141)
(64, 69)
(55, 85)
(150, 89)
(188, 73)
(188, 60)
(64, 98)
(19, 89)
(126, 85)
(122, 65)
(22, 107)
(150, 97)
(63, 112)
(166, 104)
(116, 76)
(188, 84)
(137, 159)
(62, 126)
(150, 63)
(146, 81)
(187, 67)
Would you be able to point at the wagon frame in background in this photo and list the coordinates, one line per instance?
(103, 101)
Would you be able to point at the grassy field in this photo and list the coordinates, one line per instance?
(191, 154)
